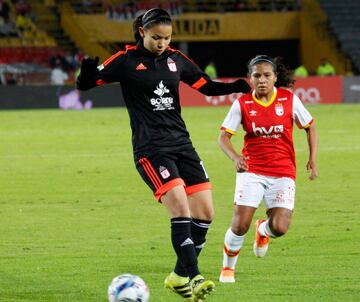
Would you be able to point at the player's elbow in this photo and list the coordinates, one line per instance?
(223, 138)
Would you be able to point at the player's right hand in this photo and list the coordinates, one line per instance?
(89, 66)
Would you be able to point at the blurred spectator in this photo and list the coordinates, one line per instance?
(58, 59)
(4, 10)
(2, 72)
(70, 61)
(23, 23)
(301, 71)
(8, 29)
(241, 5)
(128, 9)
(58, 76)
(210, 70)
(79, 56)
(325, 68)
(22, 7)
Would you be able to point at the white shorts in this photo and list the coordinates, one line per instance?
(277, 192)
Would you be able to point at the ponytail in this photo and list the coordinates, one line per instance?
(137, 23)
(284, 75)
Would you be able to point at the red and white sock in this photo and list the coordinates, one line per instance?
(232, 246)
(264, 229)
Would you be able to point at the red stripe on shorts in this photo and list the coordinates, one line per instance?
(168, 186)
(150, 172)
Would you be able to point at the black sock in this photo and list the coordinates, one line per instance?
(184, 246)
(199, 230)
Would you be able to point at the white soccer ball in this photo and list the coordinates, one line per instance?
(128, 288)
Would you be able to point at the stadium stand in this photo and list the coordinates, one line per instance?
(32, 41)
(344, 22)
(42, 31)
(128, 8)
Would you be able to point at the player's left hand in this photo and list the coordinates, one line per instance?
(312, 169)
(241, 85)
(240, 164)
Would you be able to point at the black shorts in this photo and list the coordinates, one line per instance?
(163, 171)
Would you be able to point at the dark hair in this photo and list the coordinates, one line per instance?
(284, 75)
(150, 18)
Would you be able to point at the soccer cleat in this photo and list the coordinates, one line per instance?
(261, 243)
(179, 285)
(201, 288)
(227, 275)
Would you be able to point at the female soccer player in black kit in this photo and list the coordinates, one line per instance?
(149, 73)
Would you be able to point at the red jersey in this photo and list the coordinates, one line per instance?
(268, 130)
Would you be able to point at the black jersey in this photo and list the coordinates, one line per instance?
(150, 86)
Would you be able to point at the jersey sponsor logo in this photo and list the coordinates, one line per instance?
(279, 109)
(161, 102)
(164, 172)
(141, 66)
(252, 112)
(273, 132)
(171, 64)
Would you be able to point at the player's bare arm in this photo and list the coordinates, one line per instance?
(312, 138)
(225, 143)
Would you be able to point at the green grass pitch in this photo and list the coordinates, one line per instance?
(74, 212)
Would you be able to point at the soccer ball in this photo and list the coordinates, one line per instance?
(128, 288)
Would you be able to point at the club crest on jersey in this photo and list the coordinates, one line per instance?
(279, 109)
(171, 64)
(164, 172)
(252, 112)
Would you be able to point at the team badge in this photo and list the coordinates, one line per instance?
(252, 112)
(171, 65)
(279, 109)
(164, 172)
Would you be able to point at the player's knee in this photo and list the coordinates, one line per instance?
(209, 214)
(240, 228)
(177, 208)
(280, 228)
(180, 210)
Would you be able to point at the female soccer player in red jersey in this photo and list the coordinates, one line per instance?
(149, 74)
(266, 167)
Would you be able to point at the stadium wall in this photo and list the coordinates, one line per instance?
(195, 27)
(94, 33)
(314, 90)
